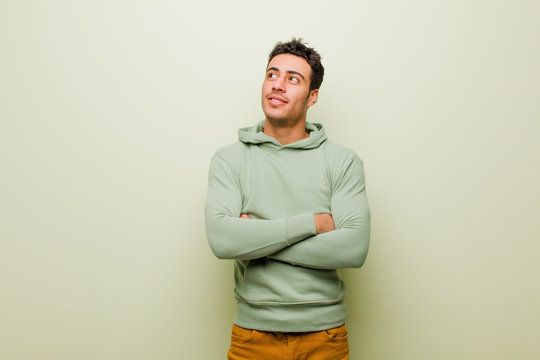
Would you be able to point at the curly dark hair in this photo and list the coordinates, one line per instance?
(299, 48)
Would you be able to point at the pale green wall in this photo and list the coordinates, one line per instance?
(110, 111)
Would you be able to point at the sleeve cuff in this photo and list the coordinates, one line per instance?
(300, 227)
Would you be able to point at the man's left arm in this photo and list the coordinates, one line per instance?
(347, 246)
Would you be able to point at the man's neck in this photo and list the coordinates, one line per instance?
(286, 133)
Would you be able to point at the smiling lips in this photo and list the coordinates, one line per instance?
(276, 100)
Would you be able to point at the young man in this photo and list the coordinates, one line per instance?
(290, 208)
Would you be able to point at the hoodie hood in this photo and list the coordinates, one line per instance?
(254, 135)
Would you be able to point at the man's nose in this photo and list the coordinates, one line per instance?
(279, 84)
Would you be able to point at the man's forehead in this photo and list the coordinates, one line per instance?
(285, 62)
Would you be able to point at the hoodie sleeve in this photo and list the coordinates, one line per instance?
(347, 246)
(233, 238)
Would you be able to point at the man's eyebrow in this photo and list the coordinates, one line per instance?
(296, 73)
(273, 68)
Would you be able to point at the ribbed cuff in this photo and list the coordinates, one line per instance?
(300, 227)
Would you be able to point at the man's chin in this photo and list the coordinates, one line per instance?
(282, 121)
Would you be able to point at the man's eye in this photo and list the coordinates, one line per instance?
(272, 76)
(294, 80)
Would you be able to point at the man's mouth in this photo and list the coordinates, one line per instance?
(276, 100)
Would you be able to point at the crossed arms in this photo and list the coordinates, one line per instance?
(323, 241)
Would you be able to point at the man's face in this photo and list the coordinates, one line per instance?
(285, 90)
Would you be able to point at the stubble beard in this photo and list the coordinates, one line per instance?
(283, 122)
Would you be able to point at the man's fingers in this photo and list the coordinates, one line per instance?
(244, 216)
(324, 223)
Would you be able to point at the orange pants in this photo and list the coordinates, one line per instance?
(247, 344)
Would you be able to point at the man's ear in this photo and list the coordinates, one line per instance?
(312, 97)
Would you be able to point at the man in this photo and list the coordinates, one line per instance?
(290, 208)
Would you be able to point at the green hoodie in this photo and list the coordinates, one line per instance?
(286, 276)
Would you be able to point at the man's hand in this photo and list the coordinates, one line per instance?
(324, 223)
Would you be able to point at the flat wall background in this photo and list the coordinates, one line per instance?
(111, 110)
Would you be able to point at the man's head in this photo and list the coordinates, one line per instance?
(312, 57)
(293, 76)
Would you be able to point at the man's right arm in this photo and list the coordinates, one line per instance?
(232, 237)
